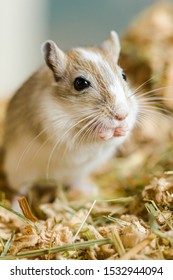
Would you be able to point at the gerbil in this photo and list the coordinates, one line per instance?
(69, 117)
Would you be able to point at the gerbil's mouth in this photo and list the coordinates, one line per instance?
(108, 133)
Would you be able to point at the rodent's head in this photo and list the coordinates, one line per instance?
(92, 89)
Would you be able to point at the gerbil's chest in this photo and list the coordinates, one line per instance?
(80, 160)
(83, 157)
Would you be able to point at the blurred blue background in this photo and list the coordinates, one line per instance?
(26, 24)
(89, 22)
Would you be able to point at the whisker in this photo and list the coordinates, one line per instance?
(45, 142)
(90, 129)
(145, 117)
(154, 104)
(29, 146)
(56, 121)
(84, 136)
(158, 109)
(140, 122)
(156, 114)
(143, 84)
(91, 132)
(152, 91)
(77, 135)
(155, 98)
(82, 129)
(56, 144)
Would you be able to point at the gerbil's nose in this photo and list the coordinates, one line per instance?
(121, 117)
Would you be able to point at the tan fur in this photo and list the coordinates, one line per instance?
(51, 131)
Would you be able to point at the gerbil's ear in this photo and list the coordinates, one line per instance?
(112, 46)
(55, 58)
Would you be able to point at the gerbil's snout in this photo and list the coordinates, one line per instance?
(120, 117)
(117, 124)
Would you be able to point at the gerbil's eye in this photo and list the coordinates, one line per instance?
(124, 76)
(81, 84)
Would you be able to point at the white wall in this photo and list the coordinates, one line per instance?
(23, 28)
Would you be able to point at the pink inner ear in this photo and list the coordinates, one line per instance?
(55, 58)
(48, 51)
(112, 46)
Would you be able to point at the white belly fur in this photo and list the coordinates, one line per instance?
(66, 167)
